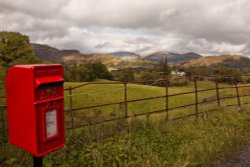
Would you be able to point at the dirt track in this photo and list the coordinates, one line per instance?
(242, 159)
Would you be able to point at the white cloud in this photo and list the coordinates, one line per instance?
(143, 26)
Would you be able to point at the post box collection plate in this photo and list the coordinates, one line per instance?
(51, 123)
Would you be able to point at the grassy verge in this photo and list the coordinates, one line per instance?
(151, 142)
(187, 142)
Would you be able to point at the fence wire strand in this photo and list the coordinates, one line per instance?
(106, 91)
(198, 103)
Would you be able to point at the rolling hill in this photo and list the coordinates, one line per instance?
(125, 55)
(46, 52)
(123, 59)
(105, 59)
(172, 57)
(235, 61)
(115, 60)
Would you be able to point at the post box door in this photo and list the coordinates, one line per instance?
(49, 106)
(50, 124)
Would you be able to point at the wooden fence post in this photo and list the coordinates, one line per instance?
(71, 109)
(196, 97)
(166, 93)
(217, 91)
(129, 129)
(125, 100)
(237, 92)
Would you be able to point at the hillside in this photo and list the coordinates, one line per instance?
(125, 55)
(123, 59)
(105, 59)
(49, 53)
(46, 52)
(236, 61)
(114, 60)
(172, 57)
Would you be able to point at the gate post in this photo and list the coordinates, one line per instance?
(217, 91)
(237, 92)
(125, 100)
(71, 109)
(196, 97)
(166, 93)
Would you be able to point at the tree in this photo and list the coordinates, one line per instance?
(191, 72)
(148, 75)
(126, 75)
(15, 49)
(100, 70)
(163, 67)
(227, 74)
(86, 72)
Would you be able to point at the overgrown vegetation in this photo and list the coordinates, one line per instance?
(191, 142)
(151, 142)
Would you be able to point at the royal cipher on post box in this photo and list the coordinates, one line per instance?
(35, 107)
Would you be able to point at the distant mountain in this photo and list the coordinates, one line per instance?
(110, 60)
(125, 55)
(49, 53)
(115, 60)
(236, 61)
(172, 57)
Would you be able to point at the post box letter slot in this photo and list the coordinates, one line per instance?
(45, 80)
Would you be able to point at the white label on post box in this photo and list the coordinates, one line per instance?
(51, 123)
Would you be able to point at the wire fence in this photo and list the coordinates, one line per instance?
(197, 106)
(198, 102)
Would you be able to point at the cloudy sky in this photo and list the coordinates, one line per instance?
(143, 26)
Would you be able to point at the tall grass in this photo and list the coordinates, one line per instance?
(154, 142)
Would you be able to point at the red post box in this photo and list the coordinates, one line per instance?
(35, 107)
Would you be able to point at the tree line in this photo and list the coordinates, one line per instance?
(83, 72)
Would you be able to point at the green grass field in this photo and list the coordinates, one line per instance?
(91, 95)
(151, 140)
